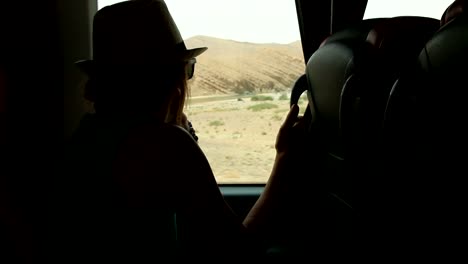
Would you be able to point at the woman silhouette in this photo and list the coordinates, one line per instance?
(142, 187)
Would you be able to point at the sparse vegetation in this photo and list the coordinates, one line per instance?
(236, 135)
(238, 139)
(261, 98)
(262, 106)
(244, 86)
(270, 85)
(283, 97)
(277, 118)
(216, 123)
(284, 110)
(219, 109)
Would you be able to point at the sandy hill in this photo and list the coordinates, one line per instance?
(230, 67)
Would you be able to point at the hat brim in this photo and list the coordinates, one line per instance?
(192, 53)
(89, 66)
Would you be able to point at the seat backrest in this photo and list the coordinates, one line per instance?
(395, 44)
(341, 56)
(432, 91)
(349, 81)
(349, 78)
(426, 135)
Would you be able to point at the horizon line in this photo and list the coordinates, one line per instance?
(240, 41)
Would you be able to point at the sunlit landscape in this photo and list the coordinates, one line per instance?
(238, 134)
(240, 90)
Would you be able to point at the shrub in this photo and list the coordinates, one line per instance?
(244, 87)
(283, 97)
(261, 98)
(216, 123)
(262, 106)
(277, 118)
(283, 110)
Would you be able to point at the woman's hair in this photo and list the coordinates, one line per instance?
(177, 102)
(161, 89)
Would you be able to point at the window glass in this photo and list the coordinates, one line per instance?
(241, 87)
(392, 8)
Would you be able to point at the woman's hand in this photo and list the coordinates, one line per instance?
(187, 125)
(291, 132)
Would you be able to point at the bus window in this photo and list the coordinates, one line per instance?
(241, 87)
(392, 8)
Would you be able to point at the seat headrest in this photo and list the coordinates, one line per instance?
(456, 9)
(354, 33)
(402, 31)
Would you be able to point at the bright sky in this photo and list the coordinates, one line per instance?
(265, 21)
(258, 21)
(391, 8)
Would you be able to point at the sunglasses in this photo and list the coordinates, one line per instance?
(190, 68)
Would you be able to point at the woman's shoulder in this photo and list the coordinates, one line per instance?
(134, 131)
(175, 131)
(156, 139)
(162, 133)
(157, 148)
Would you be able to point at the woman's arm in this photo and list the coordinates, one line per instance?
(171, 168)
(207, 225)
(164, 168)
(264, 216)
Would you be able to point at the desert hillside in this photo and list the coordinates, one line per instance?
(231, 67)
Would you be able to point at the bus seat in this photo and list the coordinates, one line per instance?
(340, 56)
(425, 131)
(395, 44)
(432, 92)
(456, 9)
(349, 84)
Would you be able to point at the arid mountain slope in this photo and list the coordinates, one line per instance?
(230, 67)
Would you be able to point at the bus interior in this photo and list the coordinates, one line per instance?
(380, 175)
